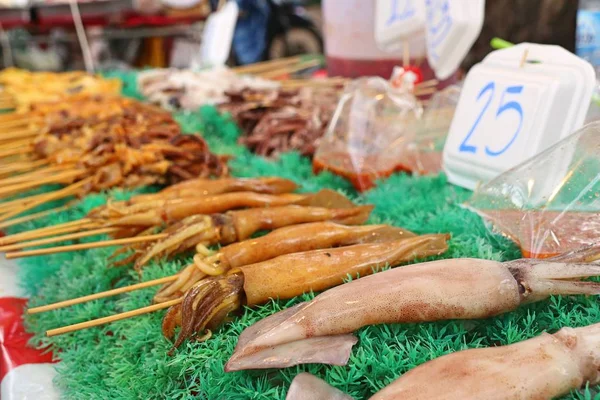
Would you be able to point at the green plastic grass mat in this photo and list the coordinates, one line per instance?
(128, 359)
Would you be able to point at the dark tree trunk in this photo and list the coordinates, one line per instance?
(536, 21)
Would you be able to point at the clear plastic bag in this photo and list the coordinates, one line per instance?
(372, 124)
(423, 155)
(549, 204)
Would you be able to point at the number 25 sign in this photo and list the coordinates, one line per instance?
(511, 108)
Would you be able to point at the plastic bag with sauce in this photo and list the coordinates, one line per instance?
(549, 204)
(423, 155)
(372, 124)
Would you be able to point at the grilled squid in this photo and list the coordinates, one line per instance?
(439, 290)
(291, 239)
(208, 302)
(205, 187)
(168, 211)
(203, 230)
(544, 367)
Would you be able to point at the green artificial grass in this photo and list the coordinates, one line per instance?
(128, 359)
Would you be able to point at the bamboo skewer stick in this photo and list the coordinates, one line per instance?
(289, 70)
(31, 217)
(112, 318)
(30, 185)
(101, 295)
(428, 83)
(35, 174)
(18, 134)
(22, 150)
(15, 143)
(426, 91)
(14, 123)
(22, 166)
(67, 227)
(78, 235)
(70, 190)
(266, 65)
(12, 116)
(85, 246)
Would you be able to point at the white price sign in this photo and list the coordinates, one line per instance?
(509, 110)
(397, 21)
(452, 26)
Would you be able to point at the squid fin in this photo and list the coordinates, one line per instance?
(332, 350)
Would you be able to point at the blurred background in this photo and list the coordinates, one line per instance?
(122, 34)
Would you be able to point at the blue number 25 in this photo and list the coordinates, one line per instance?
(511, 105)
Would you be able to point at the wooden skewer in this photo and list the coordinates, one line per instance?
(113, 318)
(22, 166)
(58, 178)
(101, 295)
(16, 151)
(426, 91)
(29, 176)
(18, 134)
(85, 246)
(13, 123)
(266, 65)
(428, 83)
(31, 217)
(67, 227)
(12, 116)
(15, 143)
(289, 70)
(70, 190)
(78, 235)
(314, 82)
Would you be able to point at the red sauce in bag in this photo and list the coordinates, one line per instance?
(544, 234)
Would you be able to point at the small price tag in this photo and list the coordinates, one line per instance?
(452, 26)
(514, 104)
(397, 21)
(218, 35)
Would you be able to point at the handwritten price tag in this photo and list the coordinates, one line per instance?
(510, 109)
(452, 26)
(397, 21)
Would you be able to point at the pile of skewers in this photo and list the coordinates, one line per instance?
(281, 120)
(20, 88)
(317, 240)
(91, 143)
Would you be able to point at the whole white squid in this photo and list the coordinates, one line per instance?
(541, 368)
(319, 331)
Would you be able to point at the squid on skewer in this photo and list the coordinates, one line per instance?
(208, 302)
(158, 212)
(204, 230)
(438, 290)
(287, 240)
(207, 229)
(544, 367)
(197, 188)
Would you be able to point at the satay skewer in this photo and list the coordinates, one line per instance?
(30, 176)
(67, 227)
(85, 246)
(26, 205)
(113, 318)
(31, 217)
(58, 178)
(102, 295)
(71, 236)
